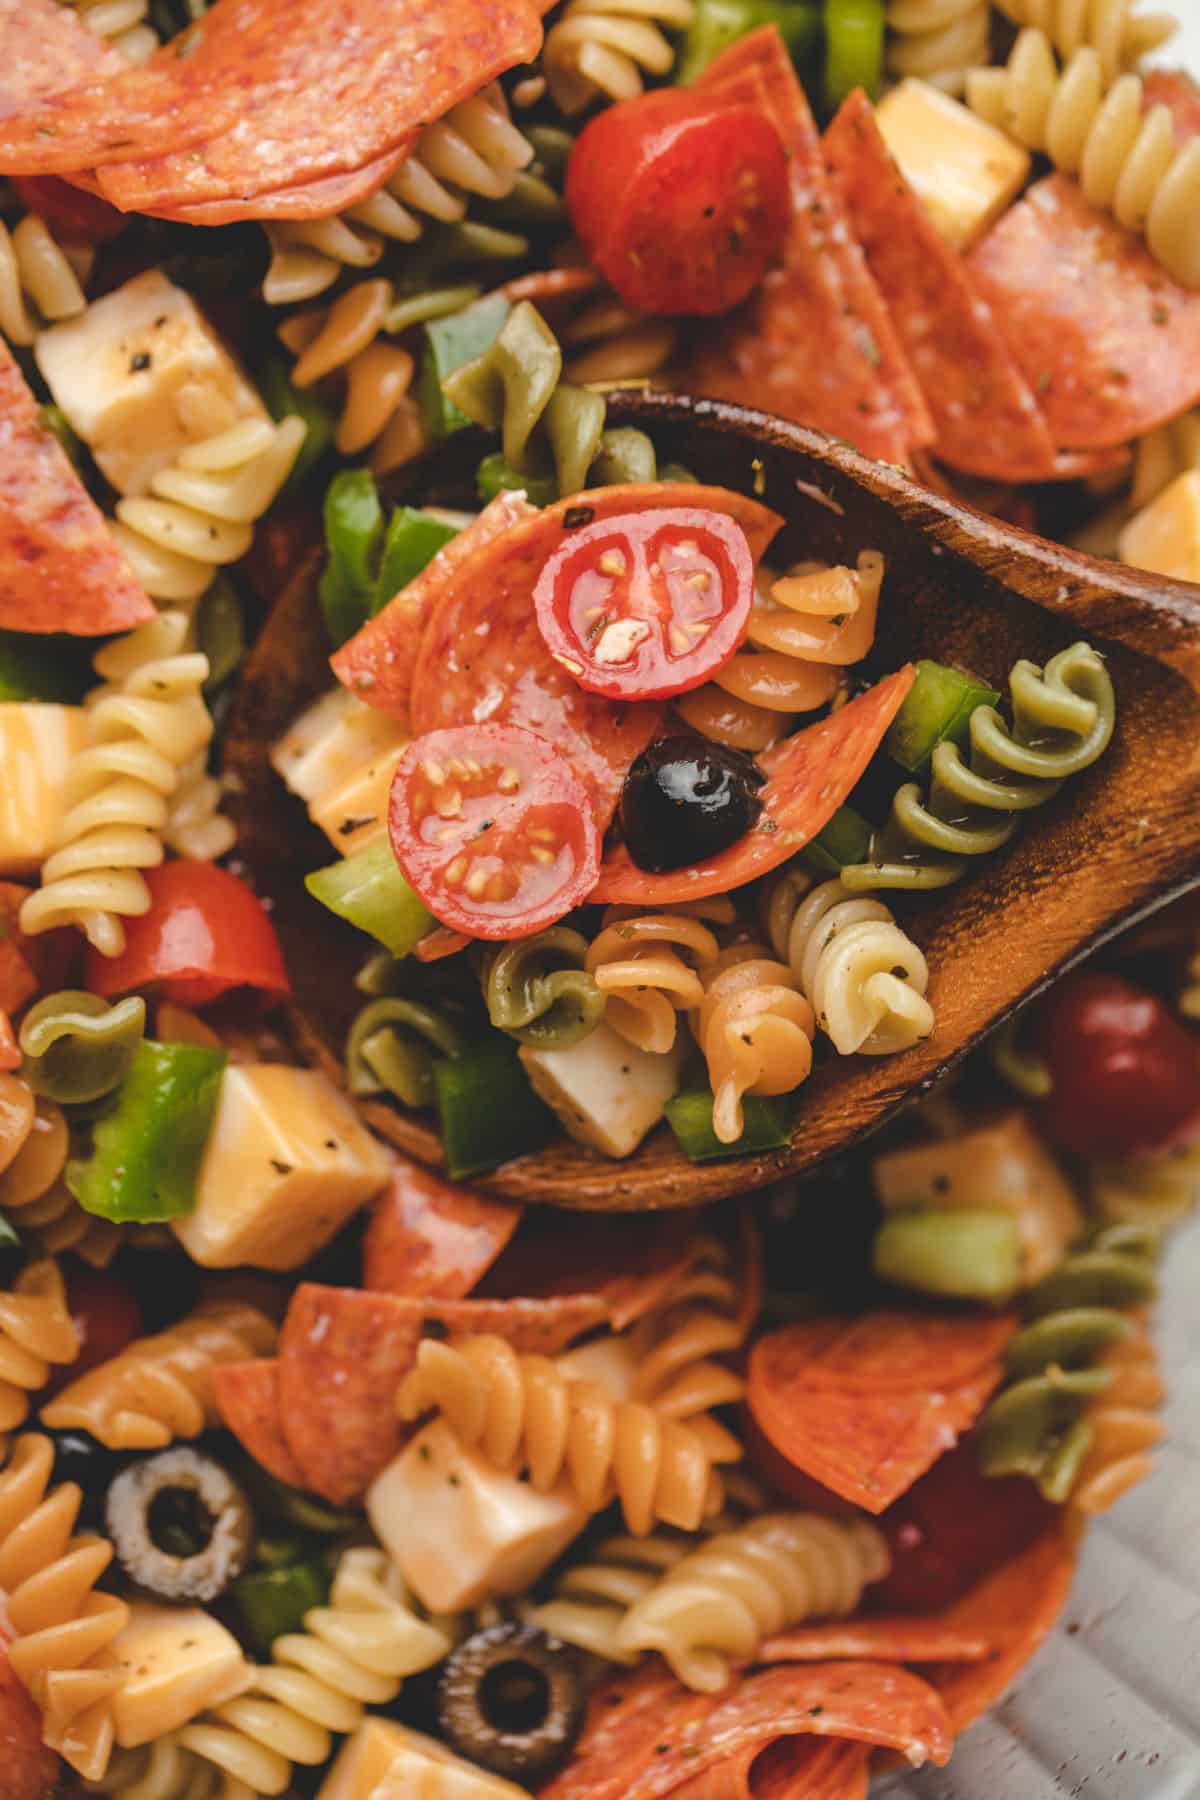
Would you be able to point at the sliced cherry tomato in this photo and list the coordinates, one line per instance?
(204, 934)
(72, 214)
(105, 1315)
(10, 1051)
(1126, 1073)
(680, 199)
(647, 604)
(492, 826)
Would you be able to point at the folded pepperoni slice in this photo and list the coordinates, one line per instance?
(428, 1237)
(808, 777)
(46, 51)
(247, 1396)
(59, 567)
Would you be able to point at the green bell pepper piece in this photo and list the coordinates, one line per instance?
(449, 343)
(963, 1255)
(766, 1126)
(57, 423)
(718, 23)
(272, 1601)
(846, 839)
(412, 540)
(146, 1153)
(487, 1109)
(854, 33)
(42, 668)
(368, 890)
(9, 1238)
(285, 400)
(937, 707)
(220, 632)
(496, 475)
(354, 528)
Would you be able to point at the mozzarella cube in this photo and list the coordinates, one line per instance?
(605, 1092)
(356, 813)
(386, 1761)
(288, 1161)
(330, 742)
(964, 170)
(1165, 536)
(140, 374)
(178, 1661)
(611, 1362)
(38, 743)
(462, 1532)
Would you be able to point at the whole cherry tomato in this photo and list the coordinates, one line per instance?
(680, 199)
(1126, 1073)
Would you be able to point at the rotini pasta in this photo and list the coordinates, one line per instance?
(606, 342)
(1156, 1193)
(938, 40)
(716, 1605)
(148, 722)
(1118, 33)
(76, 1047)
(755, 1030)
(864, 978)
(592, 1597)
(39, 283)
(352, 1654)
(1062, 719)
(161, 1387)
(123, 23)
(802, 629)
(646, 969)
(36, 1331)
(539, 990)
(1126, 159)
(35, 1196)
(61, 1626)
(675, 1346)
(523, 1412)
(607, 46)
(1123, 1425)
(166, 1771)
(391, 1048)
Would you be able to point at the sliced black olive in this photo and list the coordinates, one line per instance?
(181, 1527)
(685, 799)
(511, 1699)
(80, 1458)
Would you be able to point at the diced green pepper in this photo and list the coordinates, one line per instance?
(449, 343)
(937, 707)
(272, 1601)
(284, 400)
(496, 475)
(42, 668)
(354, 538)
(220, 632)
(9, 1238)
(146, 1153)
(854, 33)
(55, 420)
(718, 23)
(428, 303)
(368, 890)
(487, 1110)
(846, 839)
(963, 1255)
(766, 1126)
(412, 540)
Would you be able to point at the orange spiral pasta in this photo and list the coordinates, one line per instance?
(755, 1029)
(33, 1190)
(61, 1626)
(36, 1330)
(524, 1412)
(1125, 1426)
(636, 962)
(675, 1346)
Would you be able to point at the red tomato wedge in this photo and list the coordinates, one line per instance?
(680, 199)
(493, 828)
(10, 1050)
(205, 933)
(647, 604)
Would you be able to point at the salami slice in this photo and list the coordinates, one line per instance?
(1109, 343)
(247, 1396)
(987, 417)
(789, 1769)
(46, 51)
(815, 343)
(430, 1237)
(809, 775)
(483, 658)
(878, 1640)
(630, 1265)
(59, 568)
(886, 1352)
(304, 200)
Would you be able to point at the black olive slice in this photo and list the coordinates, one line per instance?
(181, 1527)
(686, 799)
(511, 1699)
(81, 1458)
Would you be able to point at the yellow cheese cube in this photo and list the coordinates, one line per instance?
(1165, 536)
(461, 1531)
(386, 1761)
(356, 812)
(37, 745)
(965, 171)
(287, 1163)
(140, 374)
(178, 1661)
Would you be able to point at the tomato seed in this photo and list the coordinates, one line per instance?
(508, 780)
(455, 872)
(477, 880)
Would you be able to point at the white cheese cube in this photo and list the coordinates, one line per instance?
(462, 1532)
(606, 1092)
(140, 374)
(287, 1162)
(178, 1661)
(386, 1761)
(37, 745)
(611, 1362)
(356, 813)
(330, 742)
(964, 170)
(1165, 536)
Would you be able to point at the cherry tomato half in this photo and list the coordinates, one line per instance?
(680, 199)
(492, 827)
(72, 214)
(106, 1318)
(204, 934)
(647, 604)
(1126, 1073)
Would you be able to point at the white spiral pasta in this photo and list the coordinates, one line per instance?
(1113, 28)
(863, 975)
(1126, 159)
(605, 47)
(716, 1605)
(122, 23)
(39, 282)
(147, 723)
(1157, 1192)
(938, 40)
(166, 1771)
(592, 1598)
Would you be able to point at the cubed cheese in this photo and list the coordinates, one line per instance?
(141, 374)
(1165, 536)
(964, 170)
(331, 741)
(606, 1093)
(1003, 1167)
(387, 1761)
(37, 745)
(461, 1531)
(178, 1661)
(288, 1161)
(357, 811)
(611, 1362)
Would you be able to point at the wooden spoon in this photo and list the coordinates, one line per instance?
(961, 588)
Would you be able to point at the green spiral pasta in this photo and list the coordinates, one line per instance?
(538, 991)
(77, 1048)
(391, 1049)
(1062, 720)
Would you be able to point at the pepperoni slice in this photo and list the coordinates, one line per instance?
(247, 1396)
(430, 1237)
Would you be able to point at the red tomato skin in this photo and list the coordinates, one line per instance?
(680, 199)
(1126, 1073)
(72, 214)
(106, 1316)
(547, 783)
(641, 539)
(204, 934)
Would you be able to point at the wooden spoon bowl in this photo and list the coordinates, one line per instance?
(961, 588)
